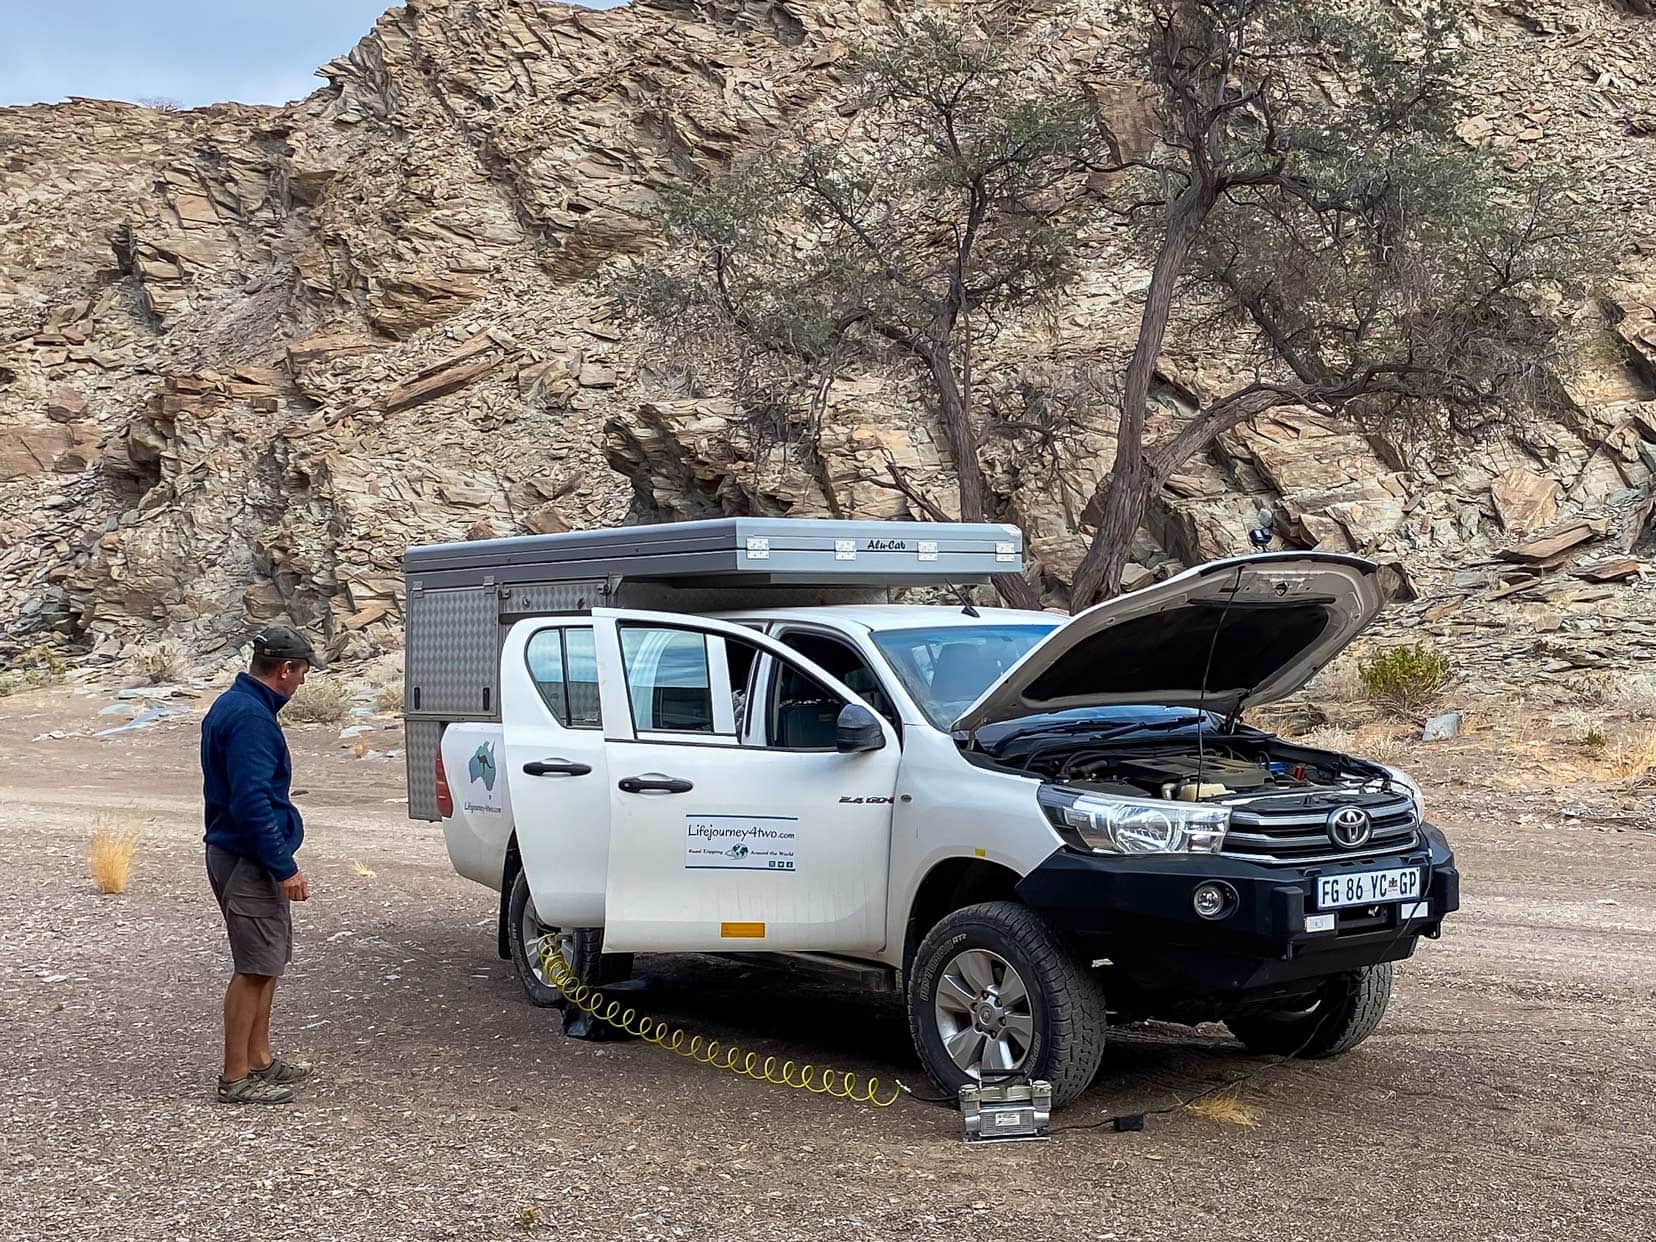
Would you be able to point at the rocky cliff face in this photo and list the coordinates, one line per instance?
(247, 355)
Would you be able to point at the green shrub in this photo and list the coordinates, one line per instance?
(1403, 680)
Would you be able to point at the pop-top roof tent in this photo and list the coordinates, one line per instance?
(735, 552)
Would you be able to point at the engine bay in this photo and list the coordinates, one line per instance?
(1235, 768)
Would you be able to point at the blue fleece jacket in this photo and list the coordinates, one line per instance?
(246, 773)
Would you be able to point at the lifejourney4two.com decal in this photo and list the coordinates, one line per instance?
(483, 785)
(739, 842)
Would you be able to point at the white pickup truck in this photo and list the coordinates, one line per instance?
(1033, 825)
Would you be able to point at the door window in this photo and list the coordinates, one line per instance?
(668, 680)
(581, 678)
(563, 666)
(844, 662)
(741, 660)
(802, 713)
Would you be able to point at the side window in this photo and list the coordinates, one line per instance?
(564, 669)
(844, 662)
(740, 659)
(581, 678)
(668, 680)
(683, 681)
(802, 713)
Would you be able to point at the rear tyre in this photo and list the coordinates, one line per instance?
(1346, 1011)
(582, 948)
(995, 994)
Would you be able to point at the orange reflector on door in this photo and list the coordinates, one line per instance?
(742, 931)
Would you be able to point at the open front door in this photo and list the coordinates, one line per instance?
(735, 822)
(555, 767)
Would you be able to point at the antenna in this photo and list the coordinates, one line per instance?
(1207, 669)
(965, 600)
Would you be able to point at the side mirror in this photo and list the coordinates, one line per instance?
(857, 730)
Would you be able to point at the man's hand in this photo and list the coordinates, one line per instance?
(296, 887)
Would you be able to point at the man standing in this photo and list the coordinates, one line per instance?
(253, 829)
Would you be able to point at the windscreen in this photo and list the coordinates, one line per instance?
(946, 669)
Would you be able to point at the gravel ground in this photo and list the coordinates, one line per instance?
(1511, 1093)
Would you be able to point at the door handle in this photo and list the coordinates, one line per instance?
(555, 767)
(653, 782)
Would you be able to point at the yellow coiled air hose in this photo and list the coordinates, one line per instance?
(841, 1085)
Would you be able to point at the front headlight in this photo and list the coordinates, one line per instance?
(1108, 825)
(1407, 783)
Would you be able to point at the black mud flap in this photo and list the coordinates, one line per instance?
(579, 1024)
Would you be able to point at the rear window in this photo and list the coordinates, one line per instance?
(563, 665)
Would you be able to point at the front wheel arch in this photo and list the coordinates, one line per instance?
(951, 885)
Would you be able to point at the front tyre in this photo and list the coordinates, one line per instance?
(1346, 1010)
(582, 948)
(995, 994)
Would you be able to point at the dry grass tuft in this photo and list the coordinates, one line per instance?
(1630, 759)
(109, 856)
(1515, 721)
(1633, 694)
(1226, 1108)
(1328, 737)
(366, 873)
(1340, 682)
(321, 700)
(162, 662)
(1378, 742)
(1636, 696)
(359, 748)
(39, 666)
(389, 701)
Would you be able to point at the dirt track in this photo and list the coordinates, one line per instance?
(1511, 1093)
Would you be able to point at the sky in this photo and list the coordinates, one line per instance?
(193, 52)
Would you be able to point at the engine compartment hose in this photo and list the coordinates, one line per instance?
(837, 1084)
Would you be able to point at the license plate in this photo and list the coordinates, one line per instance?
(1368, 888)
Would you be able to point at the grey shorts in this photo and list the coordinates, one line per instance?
(256, 914)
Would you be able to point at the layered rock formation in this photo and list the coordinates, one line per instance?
(247, 355)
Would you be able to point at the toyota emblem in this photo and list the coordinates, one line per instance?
(1349, 827)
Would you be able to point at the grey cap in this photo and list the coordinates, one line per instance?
(283, 642)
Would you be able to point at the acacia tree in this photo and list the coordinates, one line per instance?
(1306, 199)
(908, 235)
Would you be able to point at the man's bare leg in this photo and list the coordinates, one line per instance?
(259, 1055)
(244, 999)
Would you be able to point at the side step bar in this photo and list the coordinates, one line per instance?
(868, 976)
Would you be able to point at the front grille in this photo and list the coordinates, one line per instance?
(1293, 827)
